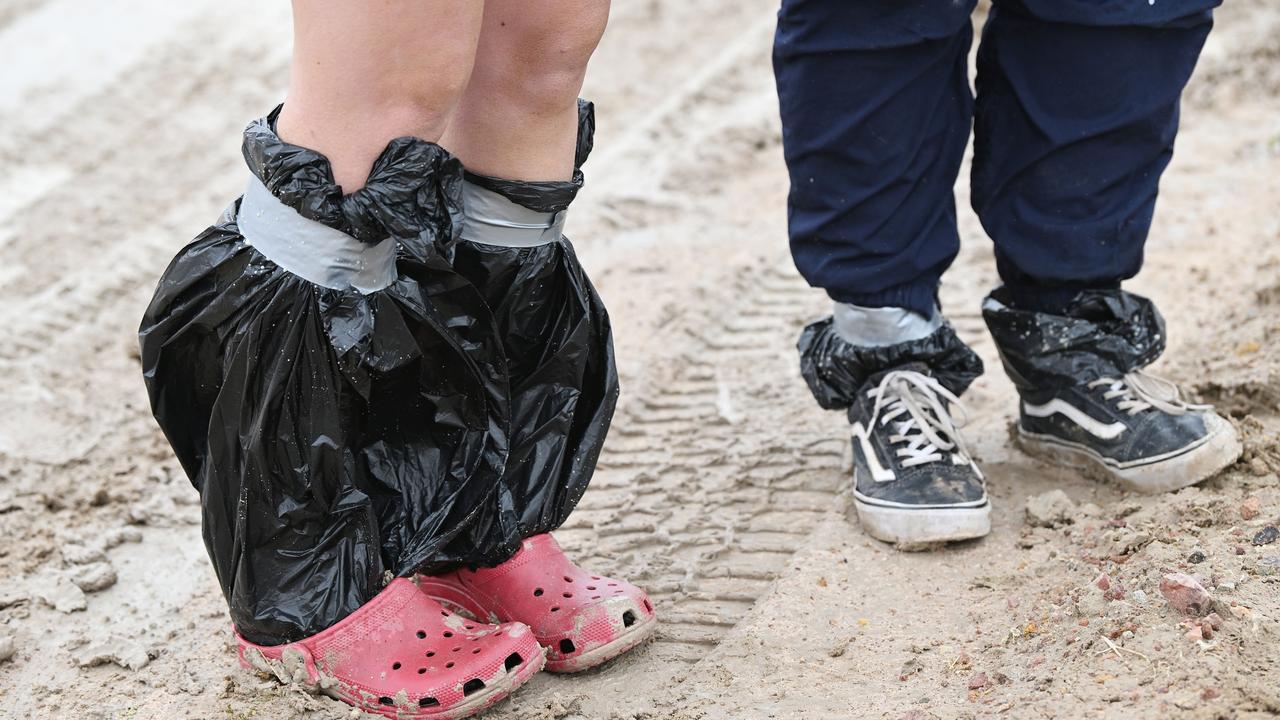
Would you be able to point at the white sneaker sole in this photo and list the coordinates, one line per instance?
(1181, 468)
(909, 528)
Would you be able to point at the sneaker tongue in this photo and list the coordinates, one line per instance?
(875, 379)
(912, 367)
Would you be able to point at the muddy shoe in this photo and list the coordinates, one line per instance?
(1086, 401)
(914, 482)
(402, 655)
(582, 619)
(1134, 428)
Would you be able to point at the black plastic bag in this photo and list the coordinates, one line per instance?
(836, 369)
(563, 379)
(335, 436)
(1101, 333)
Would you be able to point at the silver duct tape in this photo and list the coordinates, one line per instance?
(312, 250)
(878, 327)
(492, 219)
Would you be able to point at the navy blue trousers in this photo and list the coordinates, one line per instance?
(1076, 113)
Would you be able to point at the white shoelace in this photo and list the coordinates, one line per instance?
(928, 429)
(1139, 390)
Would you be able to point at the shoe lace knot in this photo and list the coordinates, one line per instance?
(1139, 390)
(920, 411)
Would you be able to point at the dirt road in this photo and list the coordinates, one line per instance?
(722, 487)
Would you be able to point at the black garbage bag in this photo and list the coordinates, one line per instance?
(1101, 333)
(559, 348)
(836, 369)
(334, 435)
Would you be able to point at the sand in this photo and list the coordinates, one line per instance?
(723, 488)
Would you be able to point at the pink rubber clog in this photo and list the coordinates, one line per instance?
(404, 656)
(581, 619)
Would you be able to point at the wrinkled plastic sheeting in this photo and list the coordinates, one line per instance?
(561, 371)
(336, 436)
(835, 369)
(1101, 333)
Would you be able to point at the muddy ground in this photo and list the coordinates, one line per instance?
(722, 488)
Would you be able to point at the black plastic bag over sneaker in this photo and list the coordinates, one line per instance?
(1087, 402)
(914, 482)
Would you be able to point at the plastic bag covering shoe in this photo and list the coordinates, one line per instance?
(582, 619)
(404, 656)
(556, 337)
(834, 369)
(337, 435)
(1100, 334)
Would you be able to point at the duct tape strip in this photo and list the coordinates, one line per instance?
(880, 327)
(492, 219)
(312, 250)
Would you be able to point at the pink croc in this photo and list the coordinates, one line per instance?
(583, 620)
(404, 656)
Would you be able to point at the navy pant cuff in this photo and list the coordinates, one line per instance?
(920, 297)
(1051, 299)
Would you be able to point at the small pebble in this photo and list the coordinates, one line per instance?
(94, 577)
(1051, 509)
(1196, 557)
(1186, 594)
(978, 681)
(1139, 596)
(1250, 508)
(1269, 565)
(1266, 535)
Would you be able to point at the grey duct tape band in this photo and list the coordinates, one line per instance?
(880, 327)
(492, 219)
(311, 250)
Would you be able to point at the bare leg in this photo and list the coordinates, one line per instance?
(365, 73)
(518, 117)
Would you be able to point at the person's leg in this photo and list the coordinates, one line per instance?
(876, 111)
(522, 135)
(366, 73)
(518, 119)
(333, 387)
(1076, 116)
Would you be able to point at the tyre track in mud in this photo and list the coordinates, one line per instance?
(75, 270)
(699, 496)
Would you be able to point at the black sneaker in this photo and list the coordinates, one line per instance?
(1133, 428)
(914, 482)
